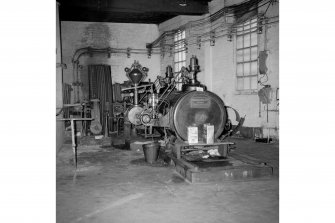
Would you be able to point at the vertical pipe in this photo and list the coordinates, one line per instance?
(106, 127)
(267, 112)
(79, 80)
(267, 121)
(74, 78)
(135, 95)
(74, 144)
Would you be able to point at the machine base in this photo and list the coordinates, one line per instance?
(234, 168)
(231, 169)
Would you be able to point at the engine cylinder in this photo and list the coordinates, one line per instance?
(196, 108)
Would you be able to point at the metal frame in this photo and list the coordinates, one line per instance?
(73, 135)
(179, 48)
(245, 32)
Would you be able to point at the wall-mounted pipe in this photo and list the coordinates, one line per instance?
(108, 51)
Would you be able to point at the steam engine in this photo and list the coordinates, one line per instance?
(175, 102)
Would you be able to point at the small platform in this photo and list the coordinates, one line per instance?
(234, 168)
(179, 147)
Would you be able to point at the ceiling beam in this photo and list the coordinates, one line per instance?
(193, 6)
(119, 17)
(128, 11)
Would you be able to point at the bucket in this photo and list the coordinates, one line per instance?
(151, 151)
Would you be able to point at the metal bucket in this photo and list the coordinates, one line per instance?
(151, 151)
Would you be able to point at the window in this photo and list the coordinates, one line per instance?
(247, 55)
(179, 52)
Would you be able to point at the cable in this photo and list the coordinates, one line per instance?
(210, 21)
(195, 42)
(217, 30)
(268, 7)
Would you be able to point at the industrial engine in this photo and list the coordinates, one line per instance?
(173, 103)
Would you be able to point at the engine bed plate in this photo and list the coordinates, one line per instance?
(233, 168)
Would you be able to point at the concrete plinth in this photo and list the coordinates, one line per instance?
(224, 170)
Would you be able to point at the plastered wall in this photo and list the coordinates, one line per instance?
(217, 65)
(76, 35)
(59, 98)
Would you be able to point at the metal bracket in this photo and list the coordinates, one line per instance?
(186, 46)
(90, 52)
(149, 50)
(199, 42)
(261, 18)
(109, 52)
(230, 34)
(212, 38)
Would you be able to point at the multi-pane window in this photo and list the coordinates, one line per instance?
(179, 52)
(247, 55)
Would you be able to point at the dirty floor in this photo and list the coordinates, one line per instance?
(113, 185)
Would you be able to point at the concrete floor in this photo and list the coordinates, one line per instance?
(112, 185)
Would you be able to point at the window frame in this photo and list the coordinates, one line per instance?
(247, 30)
(179, 53)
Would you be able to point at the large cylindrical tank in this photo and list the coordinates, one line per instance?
(195, 108)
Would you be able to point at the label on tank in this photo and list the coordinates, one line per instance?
(200, 102)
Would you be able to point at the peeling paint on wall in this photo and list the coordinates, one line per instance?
(76, 35)
(98, 35)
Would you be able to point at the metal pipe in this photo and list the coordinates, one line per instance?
(73, 77)
(135, 95)
(73, 136)
(171, 84)
(142, 86)
(143, 97)
(160, 99)
(81, 51)
(77, 81)
(73, 144)
(267, 121)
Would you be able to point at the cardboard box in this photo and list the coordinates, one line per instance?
(192, 134)
(208, 133)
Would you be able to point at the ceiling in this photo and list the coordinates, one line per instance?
(128, 11)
